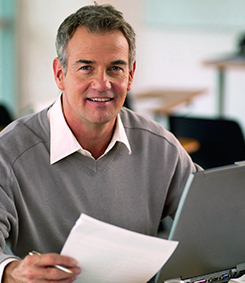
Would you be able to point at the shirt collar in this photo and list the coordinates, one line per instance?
(64, 143)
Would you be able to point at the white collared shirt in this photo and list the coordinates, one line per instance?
(64, 143)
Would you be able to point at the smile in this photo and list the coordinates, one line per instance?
(100, 99)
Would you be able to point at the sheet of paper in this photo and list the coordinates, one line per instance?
(237, 280)
(109, 254)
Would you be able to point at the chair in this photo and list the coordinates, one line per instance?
(5, 117)
(128, 101)
(221, 140)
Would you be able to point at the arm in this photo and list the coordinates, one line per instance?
(184, 167)
(40, 268)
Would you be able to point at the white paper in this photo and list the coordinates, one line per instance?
(109, 254)
(238, 280)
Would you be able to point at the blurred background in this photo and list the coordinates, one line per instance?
(175, 39)
(190, 63)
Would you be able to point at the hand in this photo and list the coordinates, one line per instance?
(40, 268)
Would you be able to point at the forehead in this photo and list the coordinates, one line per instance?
(85, 45)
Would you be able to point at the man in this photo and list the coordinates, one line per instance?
(85, 153)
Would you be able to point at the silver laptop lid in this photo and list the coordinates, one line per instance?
(209, 224)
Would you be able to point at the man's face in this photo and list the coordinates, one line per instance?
(97, 78)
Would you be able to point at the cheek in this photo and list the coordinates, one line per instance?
(76, 87)
(121, 87)
(74, 80)
(121, 93)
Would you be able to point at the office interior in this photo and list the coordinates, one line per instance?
(174, 40)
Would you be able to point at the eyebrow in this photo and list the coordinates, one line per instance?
(84, 61)
(118, 62)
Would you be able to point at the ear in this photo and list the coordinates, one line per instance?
(131, 76)
(58, 73)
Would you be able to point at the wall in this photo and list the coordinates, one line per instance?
(166, 56)
(38, 24)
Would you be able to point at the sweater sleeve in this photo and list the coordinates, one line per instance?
(184, 167)
(8, 221)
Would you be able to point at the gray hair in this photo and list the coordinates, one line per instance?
(96, 18)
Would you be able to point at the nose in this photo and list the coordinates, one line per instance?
(101, 81)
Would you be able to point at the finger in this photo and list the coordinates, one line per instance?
(45, 264)
(51, 273)
(56, 259)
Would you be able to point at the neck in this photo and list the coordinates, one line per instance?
(94, 139)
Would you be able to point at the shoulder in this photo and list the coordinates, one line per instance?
(133, 120)
(136, 124)
(30, 123)
(155, 144)
(24, 133)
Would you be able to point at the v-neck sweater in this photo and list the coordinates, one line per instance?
(40, 202)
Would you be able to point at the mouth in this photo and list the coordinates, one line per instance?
(100, 99)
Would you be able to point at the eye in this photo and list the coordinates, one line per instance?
(86, 68)
(116, 68)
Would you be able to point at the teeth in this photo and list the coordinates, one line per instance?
(100, 99)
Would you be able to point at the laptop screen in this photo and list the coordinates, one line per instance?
(209, 224)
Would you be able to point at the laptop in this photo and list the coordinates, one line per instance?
(210, 227)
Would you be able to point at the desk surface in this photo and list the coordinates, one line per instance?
(190, 145)
(170, 98)
(234, 62)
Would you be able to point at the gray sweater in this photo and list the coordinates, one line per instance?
(39, 202)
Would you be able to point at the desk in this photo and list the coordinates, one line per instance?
(221, 65)
(170, 98)
(190, 145)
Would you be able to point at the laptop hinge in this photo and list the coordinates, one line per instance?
(217, 277)
(239, 270)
